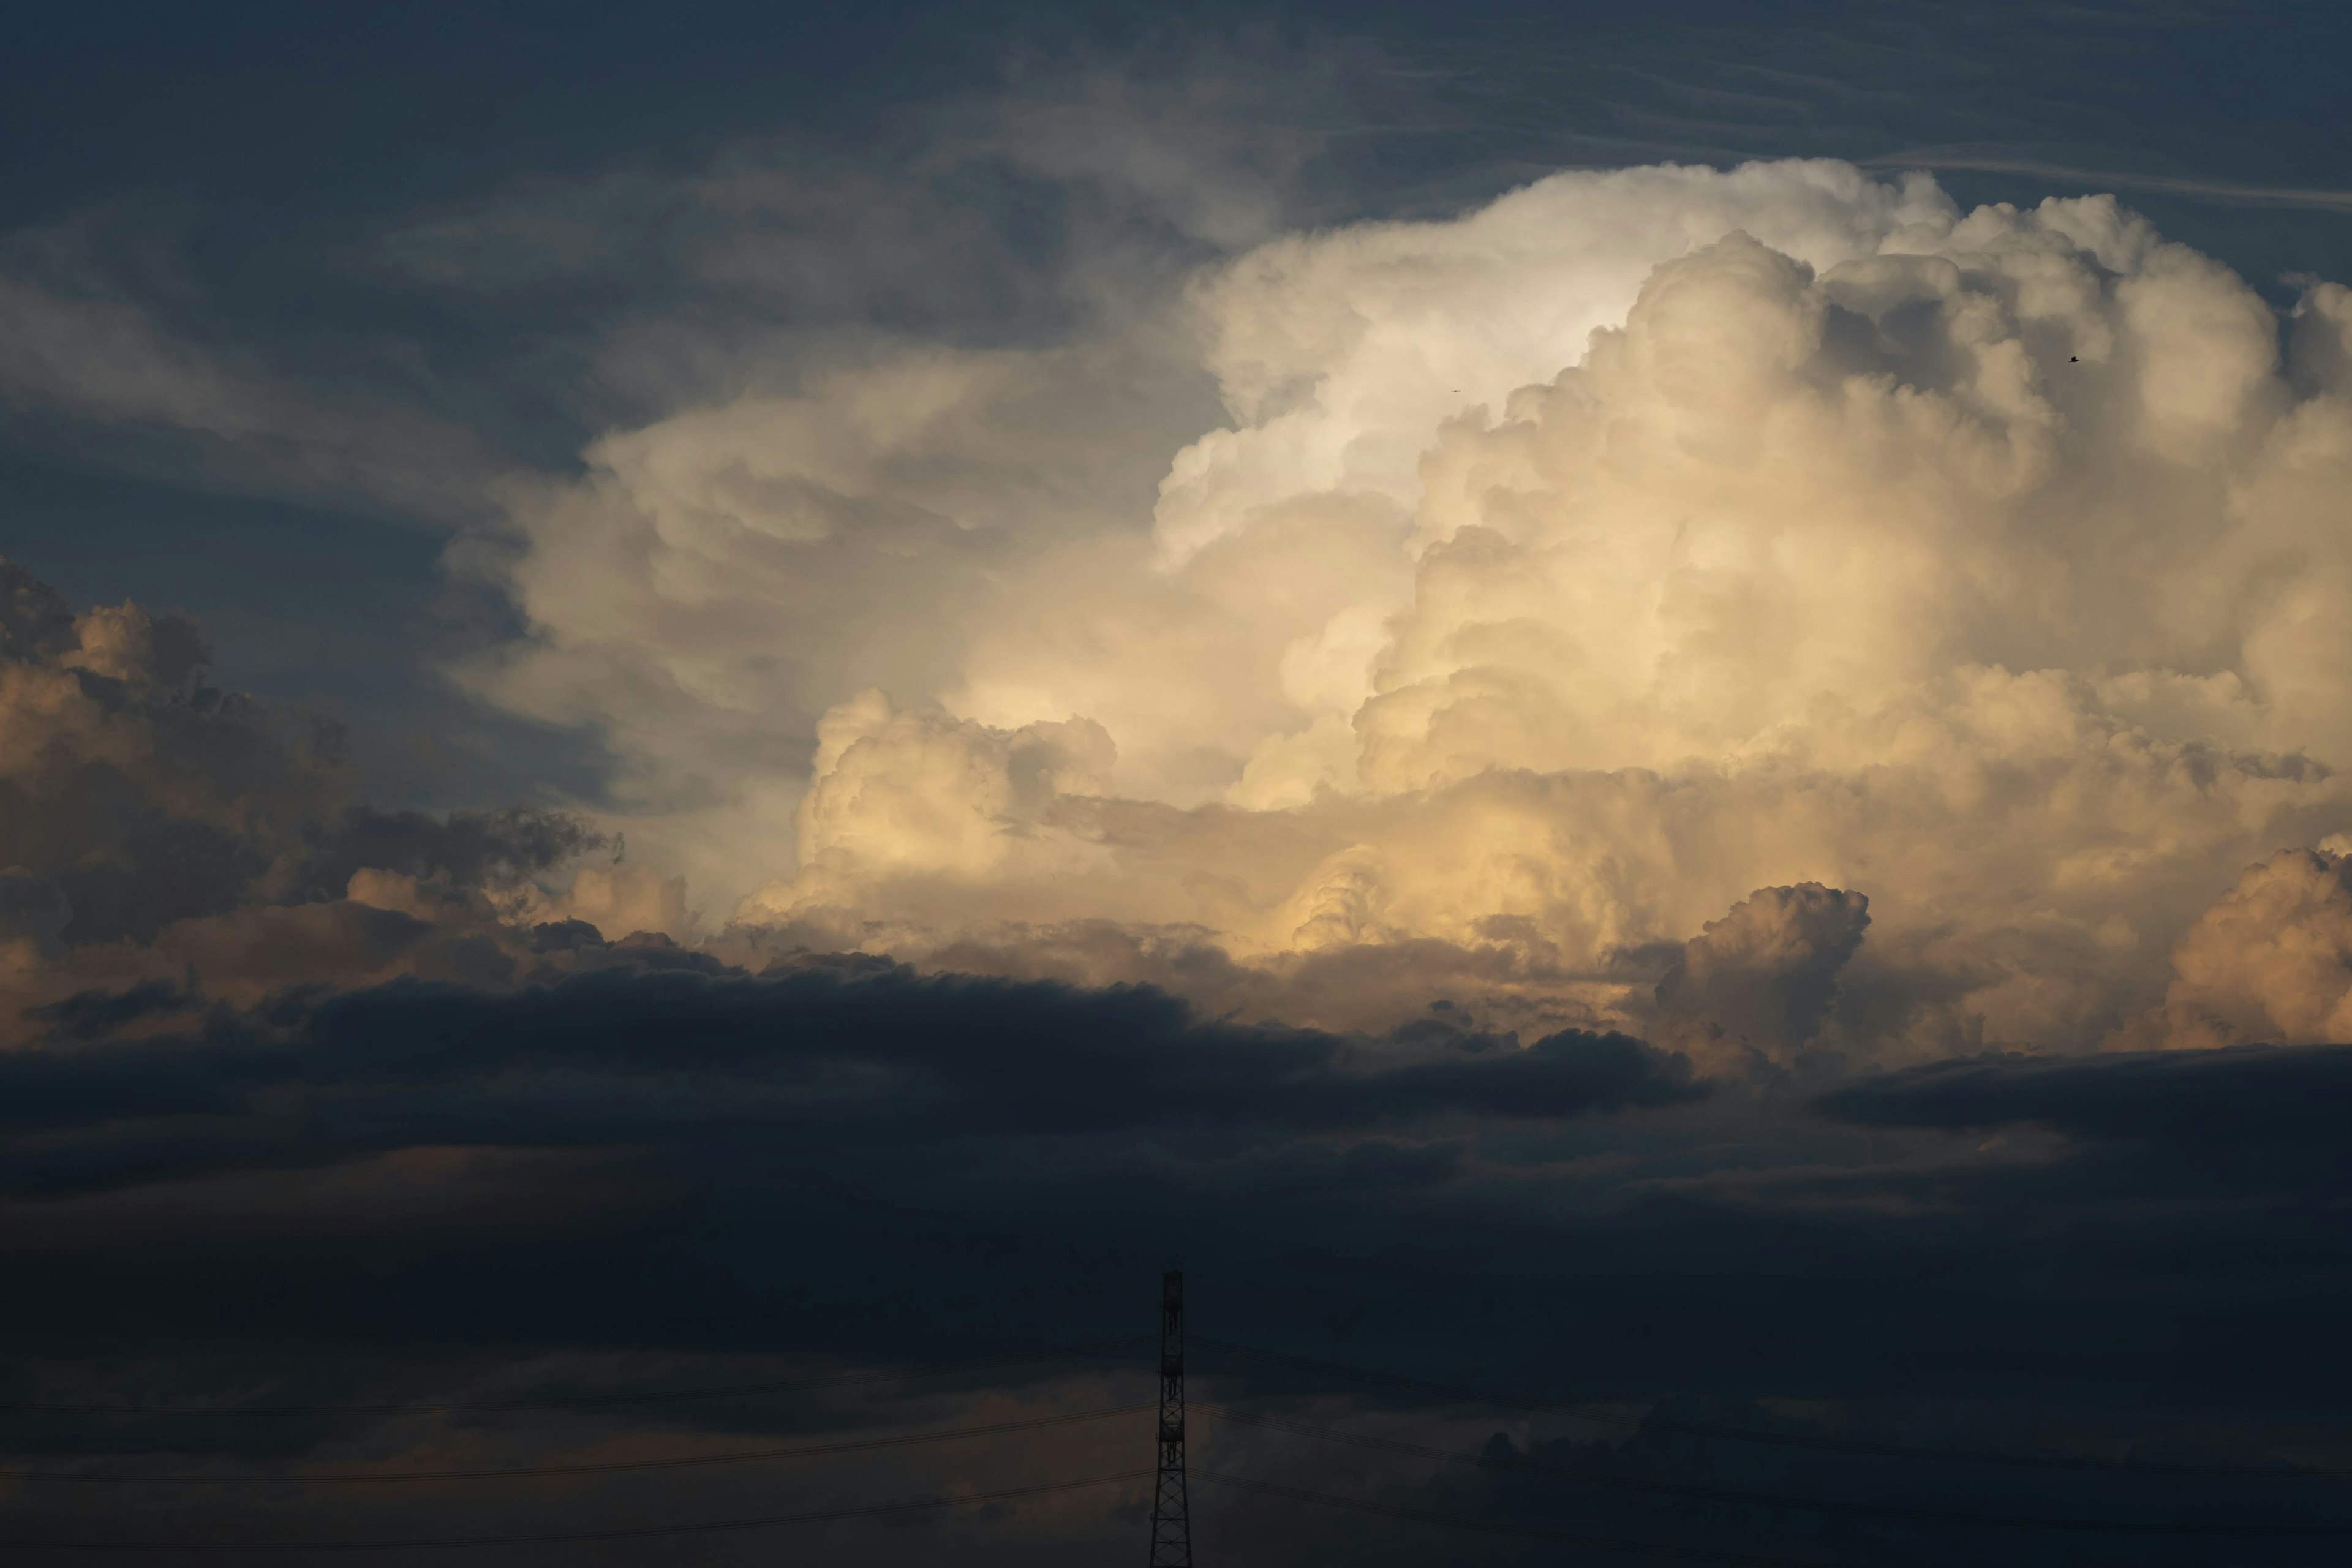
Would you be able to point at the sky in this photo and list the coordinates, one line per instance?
(1636, 719)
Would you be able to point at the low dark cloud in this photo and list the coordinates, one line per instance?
(648, 1160)
(87, 1015)
(2179, 1098)
(836, 1052)
(1581, 1207)
(2260, 1119)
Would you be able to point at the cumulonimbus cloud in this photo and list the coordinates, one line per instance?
(1591, 606)
(1567, 572)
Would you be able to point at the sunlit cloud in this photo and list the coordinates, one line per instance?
(1565, 572)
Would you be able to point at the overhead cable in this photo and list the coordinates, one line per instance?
(1495, 1527)
(1654, 1423)
(590, 1467)
(626, 1532)
(1781, 1500)
(584, 1401)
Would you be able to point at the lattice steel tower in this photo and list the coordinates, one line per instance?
(1171, 1521)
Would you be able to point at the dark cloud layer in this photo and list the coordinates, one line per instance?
(851, 1055)
(654, 1156)
(2182, 1099)
(2254, 1124)
(1589, 1170)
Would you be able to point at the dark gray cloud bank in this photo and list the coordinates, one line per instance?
(657, 1172)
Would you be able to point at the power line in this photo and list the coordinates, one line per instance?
(1782, 1500)
(631, 1532)
(1495, 1527)
(585, 1401)
(528, 1472)
(1279, 1424)
(1760, 1499)
(1653, 1422)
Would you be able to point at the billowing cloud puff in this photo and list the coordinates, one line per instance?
(1568, 572)
(903, 790)
(2270, 961)
(1764, 978)
(1339, 354)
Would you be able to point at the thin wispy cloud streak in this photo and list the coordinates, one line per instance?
(2224, 193)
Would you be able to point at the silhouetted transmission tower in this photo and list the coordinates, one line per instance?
(1171, 1521)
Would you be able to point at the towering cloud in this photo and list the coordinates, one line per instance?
(1567, 572)
(1589, 607)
